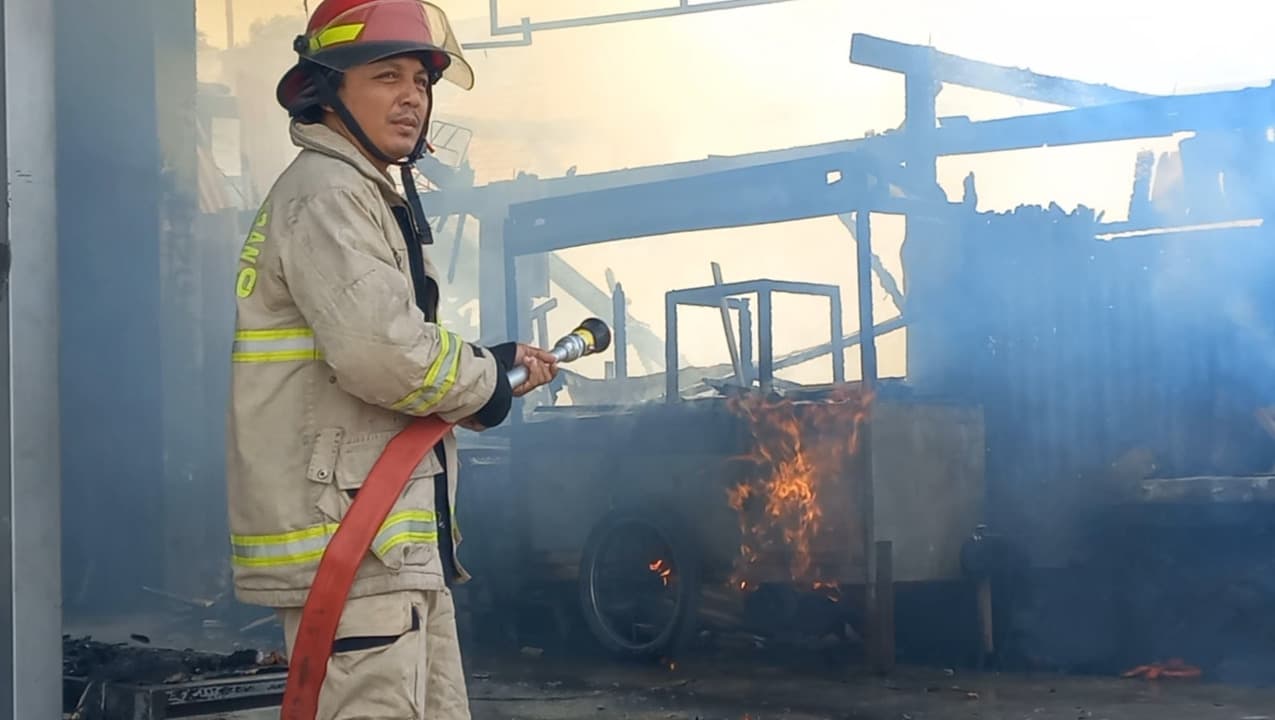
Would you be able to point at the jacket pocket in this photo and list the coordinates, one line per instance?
(358, 455)
(378, 657)
(409, 534)
(375, 617)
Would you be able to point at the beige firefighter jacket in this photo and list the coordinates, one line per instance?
(331, 359)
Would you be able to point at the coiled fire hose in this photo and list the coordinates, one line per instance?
(353, 538)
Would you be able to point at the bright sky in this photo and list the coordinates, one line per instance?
(771, 77)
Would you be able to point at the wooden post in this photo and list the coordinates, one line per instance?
(987, 638)
(230, 24)
(883, 622)
(867, 504)
(493, 304)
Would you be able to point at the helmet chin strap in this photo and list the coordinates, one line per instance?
(327, 95)
(420, 225)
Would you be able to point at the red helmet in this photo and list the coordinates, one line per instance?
(342, 34)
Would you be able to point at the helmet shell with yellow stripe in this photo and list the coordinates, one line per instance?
(342, 34)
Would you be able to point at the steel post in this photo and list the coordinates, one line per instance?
(746, 342)
(671, 391)
(765, 346)
(619, 325)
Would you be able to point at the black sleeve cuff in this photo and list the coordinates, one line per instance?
(505, 354)
(497, 406)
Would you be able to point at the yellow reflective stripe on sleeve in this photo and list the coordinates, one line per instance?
(307, 545)
(266, 346)
(439, 377)
(335, 35)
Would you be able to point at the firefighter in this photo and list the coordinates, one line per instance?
(337, 347)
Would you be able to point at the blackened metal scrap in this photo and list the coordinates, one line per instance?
(106, 700)
(225, 690)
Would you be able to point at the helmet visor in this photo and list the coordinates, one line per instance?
(380, 29)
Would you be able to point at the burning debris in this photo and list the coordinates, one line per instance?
(1174, 668)
(801, 471)
(663, 569)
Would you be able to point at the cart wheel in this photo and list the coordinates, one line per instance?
(639, 584)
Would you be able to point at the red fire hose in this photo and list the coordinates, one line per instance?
(323, 606)
(321, 614)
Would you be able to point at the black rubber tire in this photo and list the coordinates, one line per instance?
(680, 629)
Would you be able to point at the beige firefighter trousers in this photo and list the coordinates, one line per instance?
(383, 669)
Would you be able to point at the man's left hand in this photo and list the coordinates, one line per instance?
(470, 423)
(542, 368)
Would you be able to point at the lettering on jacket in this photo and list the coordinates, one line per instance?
(246, 281)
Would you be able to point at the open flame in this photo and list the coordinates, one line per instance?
(801, 452)
(661, 568)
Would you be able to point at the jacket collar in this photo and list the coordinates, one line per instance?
(320, 138)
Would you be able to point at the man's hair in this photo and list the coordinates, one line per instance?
(309, 107)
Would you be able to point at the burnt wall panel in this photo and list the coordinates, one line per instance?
(1096, 362)
(108, 185)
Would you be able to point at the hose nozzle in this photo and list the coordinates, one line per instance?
(589, 338)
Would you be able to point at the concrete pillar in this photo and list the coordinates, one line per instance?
(30, 556)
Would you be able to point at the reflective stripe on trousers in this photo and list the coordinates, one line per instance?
(307, 545)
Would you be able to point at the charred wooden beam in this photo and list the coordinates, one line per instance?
(1251, 109)
(893, 56)
(777, 192)
(848, 341)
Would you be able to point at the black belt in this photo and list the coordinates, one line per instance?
(368, 642)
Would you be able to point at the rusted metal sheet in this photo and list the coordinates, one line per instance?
(929, 491)
(1207, 489)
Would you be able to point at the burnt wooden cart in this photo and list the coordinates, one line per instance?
(630, 507)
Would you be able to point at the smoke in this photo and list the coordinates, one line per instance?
(1098, 364)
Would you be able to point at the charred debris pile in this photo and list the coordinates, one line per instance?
(94, 660)
(102, 680)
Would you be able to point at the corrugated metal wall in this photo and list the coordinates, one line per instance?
(1082, 350)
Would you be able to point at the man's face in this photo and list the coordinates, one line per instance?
(390, 100)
